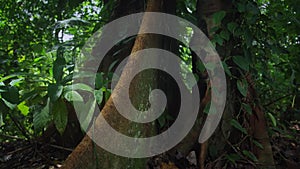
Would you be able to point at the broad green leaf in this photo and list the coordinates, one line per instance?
(72, 96)
(10, 105)
(238, 126)
(107, 94)
(23, 108)
(11, 95)
(242, 62)
(273, 120)
(60, 115)
(225, 35)
(250, 155)
(41, 118)
(54, 91)
(232, 26)
(99, 80)
(218, 16)
(98, 95)
(242, 86)
(58, 68)
(247, 108)
(218, 40)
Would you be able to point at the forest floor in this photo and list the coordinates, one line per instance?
(36, 155)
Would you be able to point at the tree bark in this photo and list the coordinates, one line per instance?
(89, 155)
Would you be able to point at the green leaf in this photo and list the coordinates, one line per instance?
(241, 7)
(1, 119)
(233, 157)
(200, 66)
(60, 115)
(218, 16)
(207, 107)
(23, 108)
(72, 96)
(258, 144)
(217, 39)
(273, 120)
(41, 118)
(226, 68)
(242, 62)
(247, 108)
(162, 121)
(98, 95)
(242, 86)
(238, 126)
(248, 38)
(107, 94)
(58, 68)
(99, 80)
(16, 81)
(54, 91)
(9, 104)
(250, 155)
(225, 35)
(252, 8)
(38, 48)
(11, 95)
(232, 26)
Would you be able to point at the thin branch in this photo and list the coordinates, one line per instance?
(276, 100)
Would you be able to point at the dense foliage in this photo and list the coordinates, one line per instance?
(40, 41)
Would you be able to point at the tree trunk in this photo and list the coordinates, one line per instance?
(89, 155)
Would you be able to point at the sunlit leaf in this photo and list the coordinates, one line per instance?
(23, 108)
(273, 120)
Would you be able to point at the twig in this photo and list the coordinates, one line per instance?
(276, 100)
(12, 137)
(60, 147)
(20, 149)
